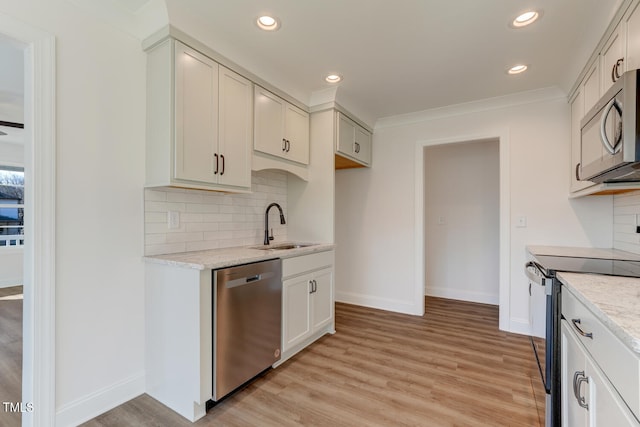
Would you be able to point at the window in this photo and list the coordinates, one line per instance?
(11, 206)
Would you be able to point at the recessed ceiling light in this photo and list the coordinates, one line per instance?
(517, 69)
(333, 78)
(268, 23)
(526, 18)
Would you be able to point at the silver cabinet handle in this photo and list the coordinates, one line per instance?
(578, 379)
(576, 322)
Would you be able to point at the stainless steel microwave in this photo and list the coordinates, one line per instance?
(610, 135)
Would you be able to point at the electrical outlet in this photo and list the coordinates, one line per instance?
(521, 222)
(173, 219)
(441, 220)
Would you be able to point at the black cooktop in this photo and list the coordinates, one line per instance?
(612, 267)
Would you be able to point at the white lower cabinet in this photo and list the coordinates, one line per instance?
(307, 301)
(588, 396)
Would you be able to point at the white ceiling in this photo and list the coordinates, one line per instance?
(406, 55)
(396, 57)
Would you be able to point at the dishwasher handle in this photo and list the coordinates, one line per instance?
(249, 280)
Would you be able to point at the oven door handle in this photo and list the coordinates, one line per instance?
(535, 273)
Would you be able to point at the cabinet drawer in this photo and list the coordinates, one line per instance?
(305, 263)
(619, 364)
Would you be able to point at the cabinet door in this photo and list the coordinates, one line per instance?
(612, 57)
(196, 115)
(572, 362)
(322, 299)
(297, 134)
(577, 112)
(591, 86)
(632, 20)
(236, 129)
(268, 123)
(362, 145)
(606, 408)
(296, 310)
(346, 135)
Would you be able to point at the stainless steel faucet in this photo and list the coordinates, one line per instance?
(267, 238)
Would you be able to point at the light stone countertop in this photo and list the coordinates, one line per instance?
(227, 257)
(615, 301)
(569, 251)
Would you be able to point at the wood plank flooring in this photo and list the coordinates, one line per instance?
(452, 367)
(10, 353)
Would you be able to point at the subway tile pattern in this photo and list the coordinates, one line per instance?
(212, 220)
(626, 217)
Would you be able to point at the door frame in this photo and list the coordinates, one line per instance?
(38, 357)
(502, 135)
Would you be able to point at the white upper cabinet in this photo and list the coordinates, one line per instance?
(591, 88)
(613, 58)
(196, 116)
(235, 128)
(353, 141)
(632, 21)
(281, 129)
(199, 121)
(577, 112)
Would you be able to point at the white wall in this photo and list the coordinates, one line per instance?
(211, 220)
(100, 113)
(462, 218)
(375, 208)
(11, 261)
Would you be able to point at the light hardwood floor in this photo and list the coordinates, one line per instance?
(452, 367)
(10, 353)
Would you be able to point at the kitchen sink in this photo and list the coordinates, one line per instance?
(282, 246)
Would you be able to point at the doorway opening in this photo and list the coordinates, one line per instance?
(499, 138)
(462, 221)
(36, 405)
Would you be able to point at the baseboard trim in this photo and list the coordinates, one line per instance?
(99, 402)
(463, 295)
(8, 283)
(387, 304)
(519, 326)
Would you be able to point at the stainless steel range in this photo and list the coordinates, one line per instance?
(543, 284)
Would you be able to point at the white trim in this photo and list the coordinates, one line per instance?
(399, 306)
(505, 203)
(101, 401)
(463, 295)
(520, 326)
(38, 377)
(497, 103)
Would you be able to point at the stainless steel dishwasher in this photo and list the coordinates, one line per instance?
(247, 313)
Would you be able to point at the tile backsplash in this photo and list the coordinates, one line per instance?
(626, 216)
(210, 220)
